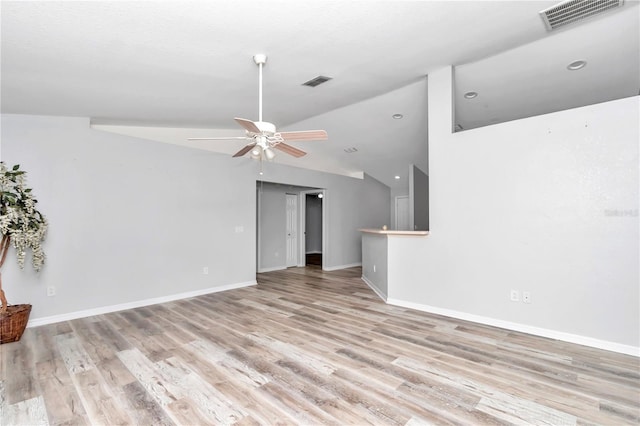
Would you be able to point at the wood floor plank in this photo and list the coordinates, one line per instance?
(18, 369)
(142, 408)
(63, 404)
(3, 399)
(28, 412)
(185, 412)
(306, 346)
(158, 386)
(73, 354)
(235, 369)
(211, 403)
(100, 403)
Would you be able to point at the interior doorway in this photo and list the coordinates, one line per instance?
(281, 224)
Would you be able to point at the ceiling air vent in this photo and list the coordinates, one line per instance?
(317, 81)
(575, 10)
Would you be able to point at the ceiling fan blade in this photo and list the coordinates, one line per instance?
(305, 135)
(290, 150)
(244, 150)
(218, 139)
(247, 124)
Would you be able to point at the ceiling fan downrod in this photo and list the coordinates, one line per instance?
(261, 136)
(260, 59)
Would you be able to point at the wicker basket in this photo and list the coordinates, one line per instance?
(13, 322)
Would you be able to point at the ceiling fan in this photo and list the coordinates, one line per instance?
(262, 136)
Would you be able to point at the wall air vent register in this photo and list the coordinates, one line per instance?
(316, 81)
(571, 11)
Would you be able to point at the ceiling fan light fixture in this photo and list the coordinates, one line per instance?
(256, 152)
(269, 153)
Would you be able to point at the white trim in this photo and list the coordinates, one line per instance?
(375, 289)
(314, 252)
(335, 268)
(325, 226)
(274, 268)
(302, 261)
(131, 305)
(523, 328)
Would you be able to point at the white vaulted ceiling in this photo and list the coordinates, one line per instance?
(186, 64)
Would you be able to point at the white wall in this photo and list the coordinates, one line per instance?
(133, 220)
(272, 227)
(374, 262)
(531, 205)
(129, 219)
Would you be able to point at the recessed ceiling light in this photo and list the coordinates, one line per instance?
(397, 177)
(576, 65)
(351, 150)
(470, 95)
(397, 116)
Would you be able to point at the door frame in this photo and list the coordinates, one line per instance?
(296, 224)
(302, 209)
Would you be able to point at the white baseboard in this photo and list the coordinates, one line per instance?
(375, 289)
(275, 268)
(130, 305)
(336, 268)
(536, 331)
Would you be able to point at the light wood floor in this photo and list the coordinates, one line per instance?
(305, 347)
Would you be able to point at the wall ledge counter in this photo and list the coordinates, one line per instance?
(391, 232)
(384, 257)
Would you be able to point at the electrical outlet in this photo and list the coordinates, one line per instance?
(515, 296)
(526, 297)
(51, 291)
(205, 270)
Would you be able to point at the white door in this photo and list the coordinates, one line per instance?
(402, 213)
(292, 230)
